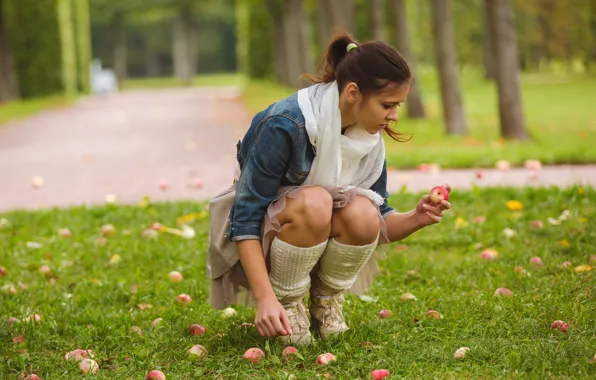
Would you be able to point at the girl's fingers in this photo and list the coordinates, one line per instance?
(433, 217)
(435, 210)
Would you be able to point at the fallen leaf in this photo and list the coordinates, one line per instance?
(514, 205)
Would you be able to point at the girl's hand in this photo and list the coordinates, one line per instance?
(428, 213)
(272, 318)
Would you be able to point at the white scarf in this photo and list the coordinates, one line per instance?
(354, 160)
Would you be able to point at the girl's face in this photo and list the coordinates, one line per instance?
(373, 112)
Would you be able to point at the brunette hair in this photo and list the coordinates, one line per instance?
(373, 66)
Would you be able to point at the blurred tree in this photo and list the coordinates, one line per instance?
(69, 58)
(9, 86)
(334, 16)
(446, 56)
(83, 44)
(488, 48)
(590, 58)
(500, 17)
(292, 41)
(38, 51)
(377, 24)
(401, 38)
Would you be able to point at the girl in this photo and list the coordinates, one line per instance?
(308, 205)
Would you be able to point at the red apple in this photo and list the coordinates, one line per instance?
(379, 374)
(325, 359)
(163, 184)
(559, 325)
(196, 330)
(3, 271)
(135, 329)
(536, 262)
(175, 276)
(197, 351)
(384, 314)
(32, 377)
(89, 365)
(503, 292)
(433, 313)
(254, 354)
(184, 299)
(290, 350)
(155, 375)
(438, 193)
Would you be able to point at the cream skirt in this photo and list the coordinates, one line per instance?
(229, 285)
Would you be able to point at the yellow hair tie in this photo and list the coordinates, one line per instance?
(351, 46)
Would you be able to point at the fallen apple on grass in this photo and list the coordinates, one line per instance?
(503, 292)
(197, 351)
(155, 375)
(79, 355)
(384, 314)
(379, 374)
(253, 354)
(460, 353)
(559, 325)
(196, 330)
(290, 350)
(175, 276)
(326, 358)
(536, 262)
(184, 299)
(89, 365)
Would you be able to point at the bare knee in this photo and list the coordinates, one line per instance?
(357, 223)
(315, 208)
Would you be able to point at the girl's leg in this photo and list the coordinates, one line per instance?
(306, 225)
(355, 232)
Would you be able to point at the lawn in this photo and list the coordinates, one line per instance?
(20, 109)
(98, 288)
(558, 111)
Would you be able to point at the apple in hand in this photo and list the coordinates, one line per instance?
(438, 193)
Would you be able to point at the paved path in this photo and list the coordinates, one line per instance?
(122, 144)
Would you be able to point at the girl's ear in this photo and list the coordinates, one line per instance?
(352, 92)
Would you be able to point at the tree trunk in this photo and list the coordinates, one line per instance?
(83, 37)
(9, 87)
(119, 48)
(340, 16)
(490, 64)
(152, 68)
(401, 37)
(292, 49)
(68, 47)
(446, 56)
(510, 103)
(183, 50)
(376, 13)
(324, 19)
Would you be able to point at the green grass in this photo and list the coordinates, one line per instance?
(225, 79)
(24, 108)
(87, 303)
(558, 112)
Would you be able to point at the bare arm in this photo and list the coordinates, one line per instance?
(401, 225)
(253, 263)
(271, 318)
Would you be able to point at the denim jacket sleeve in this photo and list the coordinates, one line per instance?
(380, 187)
(264, 165)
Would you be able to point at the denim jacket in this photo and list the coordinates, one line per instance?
(275, 152)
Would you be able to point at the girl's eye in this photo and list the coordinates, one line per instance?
(387, 106)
